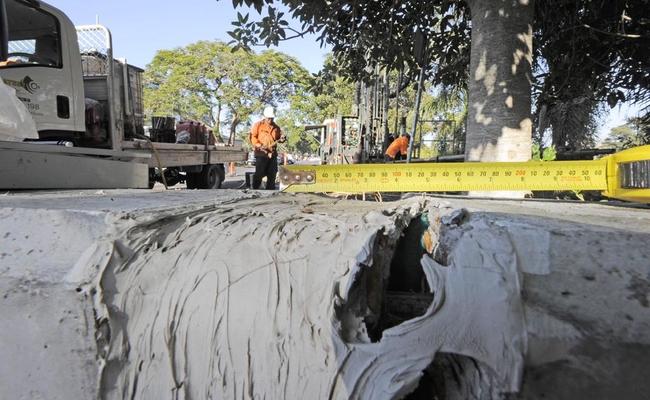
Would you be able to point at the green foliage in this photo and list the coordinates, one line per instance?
(573, 123)
(449, 106)
(365, 33)
(547, 154)
(207, 81)
(600, 45)
(182, 82)
(328, 96)
(635, 133)
(298, 140)
(587, 53)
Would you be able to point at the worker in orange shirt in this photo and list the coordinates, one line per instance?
(265, 135)
(398, 148)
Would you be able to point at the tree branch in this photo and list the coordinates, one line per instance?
(622, 35)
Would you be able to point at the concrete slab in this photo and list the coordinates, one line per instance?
(139, 294)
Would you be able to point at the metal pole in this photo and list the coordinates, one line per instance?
(418, 99)
(375, 108)
(397, 92)
(384, 117)
(4, 32)
(367, 136)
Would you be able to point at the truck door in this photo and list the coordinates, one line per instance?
(44, 67)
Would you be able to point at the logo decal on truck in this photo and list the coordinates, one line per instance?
(27, 84)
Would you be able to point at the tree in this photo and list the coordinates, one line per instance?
(183, 82)
(351, 28)
(206, 80)
(328, 95)
(269, 78)
(418, 34)
(449, 106)
(635, 132)
(588, 53)
(499, 126)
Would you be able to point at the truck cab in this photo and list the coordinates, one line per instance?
(41, 62)
(67, 77)
(80, 97)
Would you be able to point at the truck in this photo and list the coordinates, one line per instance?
(87, 107)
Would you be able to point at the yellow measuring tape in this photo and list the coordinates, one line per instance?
(624, 175)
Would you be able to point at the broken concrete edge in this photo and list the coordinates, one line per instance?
(462, 255)
(508, 367)
(419, 339)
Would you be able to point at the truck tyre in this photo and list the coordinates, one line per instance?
(222, 174)
(192, 180)
(212, 176)
(173, 176)
(152, 177)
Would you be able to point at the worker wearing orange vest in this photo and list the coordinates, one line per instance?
(265, 135)
(398, 148)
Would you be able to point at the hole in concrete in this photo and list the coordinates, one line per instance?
(406, 273)
(407, 293)
(392, 290)
(452, 376)
(360, 315)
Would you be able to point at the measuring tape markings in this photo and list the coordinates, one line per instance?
(561, 175)
(609, 174)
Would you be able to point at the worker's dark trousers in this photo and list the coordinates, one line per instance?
(398, 157)
(265, 166)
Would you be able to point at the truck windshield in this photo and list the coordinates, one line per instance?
(34, 37)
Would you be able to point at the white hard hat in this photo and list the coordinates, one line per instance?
(269, 112)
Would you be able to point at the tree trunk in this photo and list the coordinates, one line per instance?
(217, 124)
(233, 128)
(499, 124)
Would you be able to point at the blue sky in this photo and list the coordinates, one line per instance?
(141, 27)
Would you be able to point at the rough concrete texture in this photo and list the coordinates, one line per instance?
(229, 294)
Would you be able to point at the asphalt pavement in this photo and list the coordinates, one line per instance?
(237, 181)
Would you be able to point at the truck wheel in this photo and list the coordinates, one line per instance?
(222, 174)
(212, 176)
(152, 177)
(172, 176)
(192, 180)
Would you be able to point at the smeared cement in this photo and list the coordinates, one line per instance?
(199, 295)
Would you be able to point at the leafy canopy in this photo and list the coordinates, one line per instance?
(636, 132)
(366, 33)
(207, 81)
(587, 53)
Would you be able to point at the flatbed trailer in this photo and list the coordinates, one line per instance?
(37, 166)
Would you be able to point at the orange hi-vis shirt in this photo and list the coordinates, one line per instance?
(399, 145)
(265, 134)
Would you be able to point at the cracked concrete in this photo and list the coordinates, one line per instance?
(230, 294)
